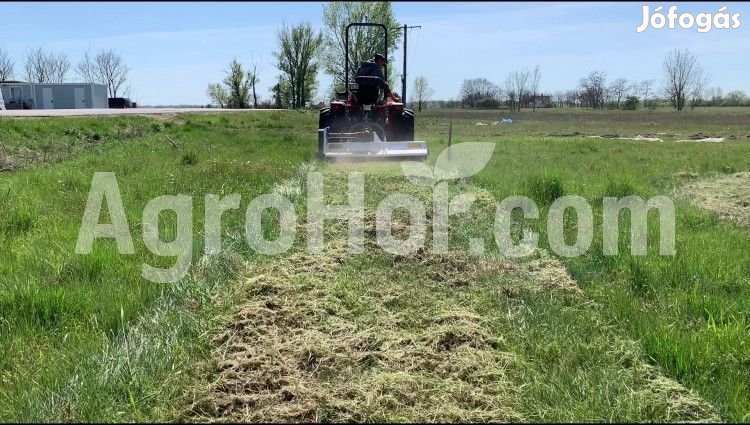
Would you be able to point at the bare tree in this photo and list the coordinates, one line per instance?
(517, 84)
(6, 66)
(645, 88)
(592, 89)
(474, 89)
(85, 68)
(535, 77)
(297, 49)
(559, 97)
(60, 66)
(422, 91)
(41, 66)
(572, 98)
(683, 74)
(510, 91)
(107, 67)
(715, 95)
(37, 66)
(701, 82)
(618, 90)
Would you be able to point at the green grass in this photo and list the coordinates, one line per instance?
(85, 338)
(378, 337)
(689, 312)
(57, 308)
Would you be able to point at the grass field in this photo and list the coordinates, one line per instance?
(375, 336)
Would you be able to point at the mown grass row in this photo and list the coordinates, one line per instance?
(424, 336)
(569, 358)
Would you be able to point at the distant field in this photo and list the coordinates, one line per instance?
(376, 337)
(663, 123)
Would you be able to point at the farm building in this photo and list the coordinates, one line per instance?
(23, 95)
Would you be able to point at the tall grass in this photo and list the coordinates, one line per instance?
(85, 337)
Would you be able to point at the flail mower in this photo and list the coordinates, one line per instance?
(363, 122)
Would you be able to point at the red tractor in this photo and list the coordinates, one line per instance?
(363, 122)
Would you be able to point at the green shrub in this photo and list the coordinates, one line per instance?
(487, 103)
(631, 103)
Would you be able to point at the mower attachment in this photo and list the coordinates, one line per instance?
(352, 145)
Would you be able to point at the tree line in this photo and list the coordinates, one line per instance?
(685, 84)
(41, 65)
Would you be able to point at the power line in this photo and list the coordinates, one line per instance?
(406, 29)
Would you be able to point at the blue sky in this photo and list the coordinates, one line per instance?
(176, 49)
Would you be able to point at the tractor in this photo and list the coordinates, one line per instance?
(362, 122)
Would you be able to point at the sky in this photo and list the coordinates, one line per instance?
(175, 49)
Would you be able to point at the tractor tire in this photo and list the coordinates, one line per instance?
(405, 129)
(324, 120)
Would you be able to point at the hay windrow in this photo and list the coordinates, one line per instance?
(402, 347)
(292, 353)
(727, 196)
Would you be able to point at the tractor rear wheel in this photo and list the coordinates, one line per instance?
(405, 126)
(324, 120)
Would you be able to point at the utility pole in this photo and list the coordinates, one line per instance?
(405, 28)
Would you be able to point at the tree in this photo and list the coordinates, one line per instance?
(631, 103)
(297, 48)
(363, 42)
(645, 88)
(535, 77)
(573, 98)
(252, 75)
(559, 97)
(218, 95)
(510, 91)
(618, 90)
(60, 66)
(6, 66)
(41, 66)
(683, 74)
(591, 89)
(108, 67)
(715, 95)
(517, 85)
(422, 91)
(238, 86)
(477, 88)
(696, 94)
(735, 98)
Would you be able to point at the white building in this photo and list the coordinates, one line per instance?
(22, 95)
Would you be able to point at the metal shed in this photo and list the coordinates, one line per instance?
(22, 95)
